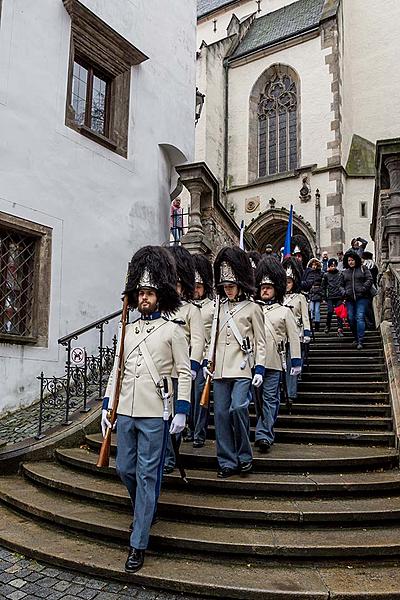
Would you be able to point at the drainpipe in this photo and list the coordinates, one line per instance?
(225, 172)
(317, 222)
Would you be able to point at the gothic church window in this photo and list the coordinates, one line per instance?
(278, 125)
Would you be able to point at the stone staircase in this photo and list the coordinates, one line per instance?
(318, 518)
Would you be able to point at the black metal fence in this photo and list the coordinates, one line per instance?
(59, 396)
(394, 293)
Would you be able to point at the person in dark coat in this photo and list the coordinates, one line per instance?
(333, 293)
(311, 283)
(357, 283)
(368, 262)
(358, 245)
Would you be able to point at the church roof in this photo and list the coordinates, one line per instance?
(204, 7)
(281, 24)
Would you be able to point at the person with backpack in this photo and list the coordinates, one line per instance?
(333, 293)
(357, 283)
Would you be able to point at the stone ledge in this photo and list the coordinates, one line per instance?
(393, 368)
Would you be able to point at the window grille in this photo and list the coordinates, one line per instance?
(17, 265)
(277, 126)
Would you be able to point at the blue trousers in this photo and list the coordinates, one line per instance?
(140, 458)
(356, 314)
(200, 414)
(291, 380)
(315, 310)
(232, 423)
(271, 402)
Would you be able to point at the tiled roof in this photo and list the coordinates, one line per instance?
(204, 7)
(281, 24)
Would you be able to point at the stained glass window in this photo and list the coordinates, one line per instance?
(277, 130)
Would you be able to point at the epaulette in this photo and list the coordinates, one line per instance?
(177, 321)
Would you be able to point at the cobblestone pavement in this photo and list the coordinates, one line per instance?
(23, 423)
(25, 579)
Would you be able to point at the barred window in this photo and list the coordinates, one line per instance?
(277, 126)
(17, 258)
(25, 255)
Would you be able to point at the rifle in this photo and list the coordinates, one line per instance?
(104, 455)
(175, 444)
(205, 396)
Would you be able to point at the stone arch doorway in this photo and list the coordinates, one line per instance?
(270, 228)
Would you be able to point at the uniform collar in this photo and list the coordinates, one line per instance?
(152, 317)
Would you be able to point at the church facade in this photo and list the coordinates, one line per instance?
(296, 96)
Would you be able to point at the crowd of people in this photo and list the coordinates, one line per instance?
(242, 324)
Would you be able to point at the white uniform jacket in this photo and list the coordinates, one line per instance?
(207, 309)
(194, 331)
(249, 320)
(299, 306)
(281, 320)
(166, 344)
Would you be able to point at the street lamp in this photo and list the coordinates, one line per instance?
(199, 104)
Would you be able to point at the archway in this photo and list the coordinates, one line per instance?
(270, 228)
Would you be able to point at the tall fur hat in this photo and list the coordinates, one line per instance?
(293, 270)
(153, 267)
(204, 272)
(233, 265)
(270, 270)
(299, 242)
(254, 257)
(185, 270)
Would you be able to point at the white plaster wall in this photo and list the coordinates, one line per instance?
(358, 190)
(372, 76)
(308, 60)
(205, 29)
(101, 206)
(286, 192)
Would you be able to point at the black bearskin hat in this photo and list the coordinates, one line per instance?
(239, 263)
(185, 270)
(270, 268)
(154, 266)
(291, 265)
(300, 242)
(254, 257)
(203, 268)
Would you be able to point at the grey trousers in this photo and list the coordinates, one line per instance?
(141, 446)
(232, 424)
(271, 402)
(200, 414)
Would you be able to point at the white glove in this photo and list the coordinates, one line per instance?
(295, 371)
(207, 373)
(257, 380)
(105, 423)
(306, 339)
(178, 423)
(193, 372)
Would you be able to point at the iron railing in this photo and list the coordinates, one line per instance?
(394, 295)
(59, 396)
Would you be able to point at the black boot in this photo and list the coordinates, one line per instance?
(316, 325)
(135, 560)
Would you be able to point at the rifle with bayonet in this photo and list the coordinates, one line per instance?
(257, 391)
(104, 455)
(283, 385)
(205, 396)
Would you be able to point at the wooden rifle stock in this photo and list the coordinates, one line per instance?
(104, 455)
(205, 395)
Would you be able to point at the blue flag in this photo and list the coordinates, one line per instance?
(289, 232)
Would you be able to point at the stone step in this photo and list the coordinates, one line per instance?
(263, 541)
(230, 578)
(268, 483)
(344, 352)
(295, 434)
(286, 421)
(191, 503)
(337, 345)
(346, 369)
(343, 397)
(354, 361)
(340, 376)
(331, 409)
(283, 457)
(344, 386)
